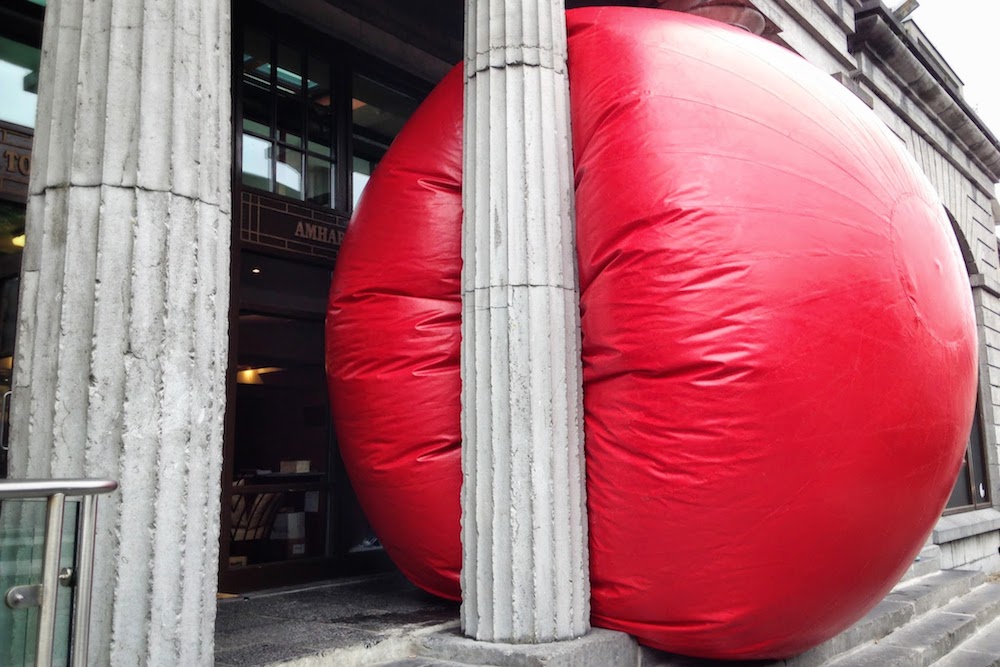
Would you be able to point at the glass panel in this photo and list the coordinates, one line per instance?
(256, 109)
(22, 544)
(272, 283)
(319, 82)
(980, 479)
(280, 491)
(320, 131)
(289, 69)
(291, 114)
(961, 495)
(379, 112)
(289, 173)
(18, 82)
(319, 181)
(271, 525)
(256, 162)
(11, 227)
(256, 57)
(362, 173)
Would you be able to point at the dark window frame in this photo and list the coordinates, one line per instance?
(974, 470)
(344, 61)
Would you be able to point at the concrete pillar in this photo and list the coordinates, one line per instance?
(123, 325)
(524, 523)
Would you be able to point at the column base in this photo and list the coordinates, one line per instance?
(598, 648)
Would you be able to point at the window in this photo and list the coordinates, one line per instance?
(378, 113)
(972, 488)
(18, 82)
(288, 120)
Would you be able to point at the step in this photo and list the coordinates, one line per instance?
(927, 562)
(419, 662)
(931, 637)
(982, 650)
(907, 602)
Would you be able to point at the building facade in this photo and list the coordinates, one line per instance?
(218, 150)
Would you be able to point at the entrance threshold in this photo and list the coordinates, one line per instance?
(359, 621)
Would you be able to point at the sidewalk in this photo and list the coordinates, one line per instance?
(352, 622)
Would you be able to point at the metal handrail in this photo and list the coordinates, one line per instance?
(43, 488)
(55, 492)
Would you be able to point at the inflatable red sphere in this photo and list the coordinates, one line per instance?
(779, 342)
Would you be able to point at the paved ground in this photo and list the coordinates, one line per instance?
(366, 616)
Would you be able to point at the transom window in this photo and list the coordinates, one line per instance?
(289, 120)
(293, 100)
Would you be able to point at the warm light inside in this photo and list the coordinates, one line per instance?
(253, 375)
(18, 241)
(255, 270)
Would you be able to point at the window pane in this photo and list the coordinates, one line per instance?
(379, 111)
(18, 82)
(289, 69)
(980, 479)
(290, 120)
(256, 162)
(362, 173)
(319, 82)
(960, 495)
(256, 109)
(320, 131)
(319, 181)
(289, 173)
(256, 57)
(269, 282)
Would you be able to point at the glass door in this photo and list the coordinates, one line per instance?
(278, 501)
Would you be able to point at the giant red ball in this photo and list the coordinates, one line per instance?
(779, 343)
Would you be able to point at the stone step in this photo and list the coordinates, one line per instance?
(905, 604)
(419, 662)
(929, 638)
(982, 650)
(927, 562)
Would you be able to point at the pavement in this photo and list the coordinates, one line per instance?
(358, 621)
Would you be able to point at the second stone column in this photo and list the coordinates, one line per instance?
(524, 522)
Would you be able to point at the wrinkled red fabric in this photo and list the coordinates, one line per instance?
(779, 341)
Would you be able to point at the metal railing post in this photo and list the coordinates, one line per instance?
(44, 596)
(50, 580)
(84, 582)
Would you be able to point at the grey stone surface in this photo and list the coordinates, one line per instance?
(927, 562)
(933, 635)
(598, 648)
(356, 622)
(982, 650)
(122, 342)
(525, 573)
(876, 624)
(982, 602)
(968, 524)
(880, 655)
(936, 590)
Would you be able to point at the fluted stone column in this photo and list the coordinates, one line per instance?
(123, 326)
(524, 523)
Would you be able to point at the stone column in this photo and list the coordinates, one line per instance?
(524, 523)
(123, 326)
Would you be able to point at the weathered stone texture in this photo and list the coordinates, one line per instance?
(123, 328)
(524, 525)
